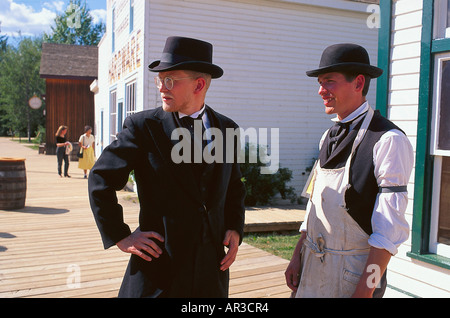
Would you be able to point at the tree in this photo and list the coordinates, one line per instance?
(3, 47)
(19, 81)
(75, 26)
(3, 44)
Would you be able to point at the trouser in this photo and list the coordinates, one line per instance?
(61, 155)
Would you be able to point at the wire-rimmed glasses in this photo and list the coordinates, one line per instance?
(168, 81)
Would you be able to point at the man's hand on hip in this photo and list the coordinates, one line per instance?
(138, 242)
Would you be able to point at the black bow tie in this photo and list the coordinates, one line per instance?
(336, 134)
(188, 121)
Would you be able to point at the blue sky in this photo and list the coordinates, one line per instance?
(33, 17)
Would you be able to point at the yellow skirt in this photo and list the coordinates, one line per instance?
(88, 160)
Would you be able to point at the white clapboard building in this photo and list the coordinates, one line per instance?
(264, 47)
(414, 46)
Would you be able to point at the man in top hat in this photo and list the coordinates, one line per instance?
(355, 215)
(189, 210)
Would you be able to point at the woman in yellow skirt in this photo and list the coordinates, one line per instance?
(86, 142)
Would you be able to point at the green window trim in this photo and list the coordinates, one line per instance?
(384, 56)
(440, 45)
(423, 178)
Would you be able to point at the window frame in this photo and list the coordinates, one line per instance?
(130, 86)
(439, 58)
(436, 247)
(441, 25)
(112, 115)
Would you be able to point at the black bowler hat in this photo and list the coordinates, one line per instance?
(182, 53)
(346, 57)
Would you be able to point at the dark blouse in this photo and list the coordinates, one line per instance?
(60, 140)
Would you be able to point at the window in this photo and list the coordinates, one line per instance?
(440, 148)
(119, 116)
(113, 30)
(442, 19)
(443, 235)
(131, 15)
(440, 216)
(441, 106)
(130, 98)
(113, 116)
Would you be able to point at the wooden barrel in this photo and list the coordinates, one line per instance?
(13, 183)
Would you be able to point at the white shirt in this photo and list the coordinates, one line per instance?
(195, 115)
(393, 160)
(87, 141)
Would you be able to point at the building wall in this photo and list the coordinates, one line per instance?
(120, 64)
(416, 277)
(265, 47)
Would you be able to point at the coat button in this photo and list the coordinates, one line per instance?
(203, 209)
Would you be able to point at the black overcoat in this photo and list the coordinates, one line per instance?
(171, 202)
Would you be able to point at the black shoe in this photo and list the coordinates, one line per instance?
(67, 176)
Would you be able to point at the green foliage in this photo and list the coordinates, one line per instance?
(19, 81)
(262, 188)
(75, 26)
(40, 135)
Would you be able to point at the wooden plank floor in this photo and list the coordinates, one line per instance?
(52, 247)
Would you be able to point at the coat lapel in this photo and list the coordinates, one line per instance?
(161, 128)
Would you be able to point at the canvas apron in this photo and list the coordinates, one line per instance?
(336, 248)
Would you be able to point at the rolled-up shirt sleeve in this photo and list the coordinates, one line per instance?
(393, 159)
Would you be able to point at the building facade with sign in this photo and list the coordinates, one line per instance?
(264, 47)
(414, 48)
(121, 69)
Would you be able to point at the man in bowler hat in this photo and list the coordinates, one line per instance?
(188, 211)
(355, 216)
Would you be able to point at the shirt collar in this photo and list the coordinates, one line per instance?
(194, 115)
(358, 112)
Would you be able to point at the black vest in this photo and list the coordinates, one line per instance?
(361, 196)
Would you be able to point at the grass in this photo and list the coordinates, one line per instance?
(24, 140)
(281, 244)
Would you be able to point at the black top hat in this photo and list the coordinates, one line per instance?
(347, 57)
(186, 54)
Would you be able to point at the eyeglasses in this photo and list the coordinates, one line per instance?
(168, 81)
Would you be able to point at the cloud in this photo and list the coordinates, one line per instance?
(29, 21)
(98, 15)
(57, 6)
(16, 17)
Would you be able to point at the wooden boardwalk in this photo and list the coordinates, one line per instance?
(52, 247)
